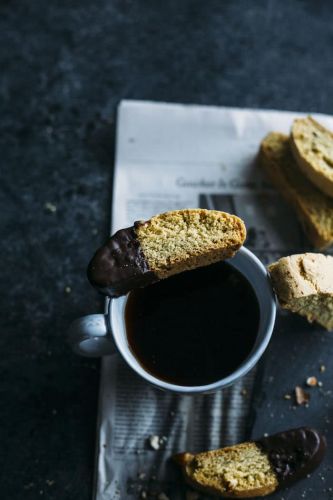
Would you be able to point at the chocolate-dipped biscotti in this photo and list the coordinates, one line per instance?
(255, 468)
(164, 245)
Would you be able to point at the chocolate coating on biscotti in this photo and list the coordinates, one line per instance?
(120, 265)
(293, 454)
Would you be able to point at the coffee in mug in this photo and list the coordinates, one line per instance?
(212, 324)
(194, 328)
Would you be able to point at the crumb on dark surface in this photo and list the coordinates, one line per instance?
(312, 381)
(302, 397)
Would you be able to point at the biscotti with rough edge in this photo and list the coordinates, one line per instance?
(185, 239)
(304, 285)
(255, 468)
(165, 245)
(312, 147)
(314, 209)
(225, 472)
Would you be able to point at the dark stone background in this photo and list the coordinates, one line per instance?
(64, 67)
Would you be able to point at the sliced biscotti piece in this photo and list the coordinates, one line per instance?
(312, 147)
(255, 468)
(314, 209)
(240, 471)
(185, 239)
(164, 245)
(304, 285)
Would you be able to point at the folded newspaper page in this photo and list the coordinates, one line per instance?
(171, 156)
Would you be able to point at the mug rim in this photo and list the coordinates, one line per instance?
(247, 365)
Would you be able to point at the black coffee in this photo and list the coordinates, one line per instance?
(194, 328)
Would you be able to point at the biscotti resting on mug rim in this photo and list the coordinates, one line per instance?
(162, 246)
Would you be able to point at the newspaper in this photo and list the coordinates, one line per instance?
(171, 156)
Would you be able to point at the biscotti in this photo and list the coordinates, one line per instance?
(164, 245)
(314, 209)
(255, 468)
(312, 147)
(304, 285)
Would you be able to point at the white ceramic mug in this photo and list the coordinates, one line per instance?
(105, 334)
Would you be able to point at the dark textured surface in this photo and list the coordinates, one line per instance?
(64, 67)
(297, 351)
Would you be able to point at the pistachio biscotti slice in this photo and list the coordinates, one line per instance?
(255, 468)
(304, 285)
(164, 245)
(312, 147)
(314, 209)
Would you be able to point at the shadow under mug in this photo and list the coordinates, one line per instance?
(105, 334)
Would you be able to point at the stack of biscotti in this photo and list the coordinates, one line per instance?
(301, 167)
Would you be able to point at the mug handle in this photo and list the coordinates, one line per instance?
(91, 336)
